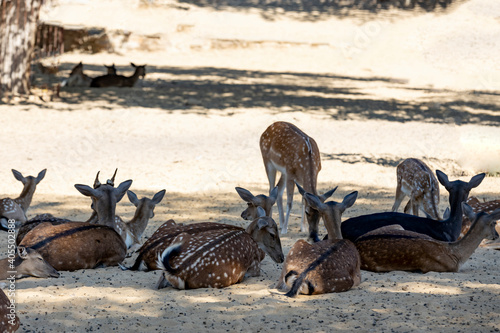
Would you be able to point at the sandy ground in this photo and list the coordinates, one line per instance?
(192, 127)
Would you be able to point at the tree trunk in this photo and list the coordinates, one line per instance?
(18, 21)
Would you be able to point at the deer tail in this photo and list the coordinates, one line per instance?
(163, 261)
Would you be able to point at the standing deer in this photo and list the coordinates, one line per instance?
(16, 208)
(9, 322)
(113, 80)
(219, 257)
(446, 230)
(132, 231)
(27, 262)
(416, 180)
(285, 148)
(387, 249)
(254, 201)
(331, 265)
(76, 245)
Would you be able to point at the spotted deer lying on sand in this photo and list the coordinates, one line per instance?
(163, 237)
(113, 80)
(16, 208)
(76, 245)
(417, 181)
(389, 249)
(220, 257)
(446, 230)
(254, 201)
(9, 321)
(285, 148)
(104, 199)
(27, 262)
(331, 265)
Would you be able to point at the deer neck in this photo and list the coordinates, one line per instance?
(24, 199)
(133, 79)
(138, 223)
(465, 247)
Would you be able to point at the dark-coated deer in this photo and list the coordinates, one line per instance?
(76, 245)
(331, 265)
(446, 230)
(387, 250)
(9, 322)
(113, 80)
(27, 262)
(77, 78)
(16, 208)
(417, 181)
(285, 148)
(220, 257)
(254, 201)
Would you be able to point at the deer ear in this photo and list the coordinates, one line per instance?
(262, 223)
(132, 197)
(476, 180)
(260, 211)
(273, 195)
(132, 64)
(19, 176)
(495, 215)
(158, 197)
(122, 189)
(87, 190)
(469, 212)
(350, 199)
(22, 252)
(443, 178)
(40, 176)
(245, 194)
(327, 194)
(301, 189)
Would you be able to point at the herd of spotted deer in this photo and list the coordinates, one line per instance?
(216, 255)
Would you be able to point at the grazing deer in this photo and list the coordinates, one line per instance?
(220, 257)
(132, 231)
(331, 265)
(76, 245)
(27, 262)
(416, 180)
(77, 78)
(113, 80)
(9, 322)
(104, 199)
(403, 250)
(446, 230)
(285, 148)
(16, 208)
(260, 200)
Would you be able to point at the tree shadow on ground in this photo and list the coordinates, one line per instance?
(313, 10)
(204, 90)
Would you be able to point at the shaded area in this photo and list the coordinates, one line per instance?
(204, 90)
(312, 10)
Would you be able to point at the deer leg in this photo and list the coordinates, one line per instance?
(279, 199)
(399, 197)
(290, 187)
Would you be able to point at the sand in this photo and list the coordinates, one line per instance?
(425, 86)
